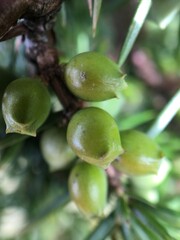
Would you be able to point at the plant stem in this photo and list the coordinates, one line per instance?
(40, 51)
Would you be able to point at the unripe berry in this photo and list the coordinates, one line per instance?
(25, 106)
(141, 155)
(55, 149)
(94, 136)
(152, 180)
(93, 77)
(88, 188)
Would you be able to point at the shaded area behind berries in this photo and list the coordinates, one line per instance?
(153, 74)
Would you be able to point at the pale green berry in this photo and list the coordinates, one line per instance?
(141, 155)
(93, 77)
(94, 136)
(88, 188)
(25, 106)
(55, 149)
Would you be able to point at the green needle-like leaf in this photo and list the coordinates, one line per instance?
(103, 229)
(148, 231)
(136, 120)
(167, 216)
(165, 116)
(90, 6)
(138, 231)
(124, 212)
(126, 231)
(63, 15)
(151, 220)
(96, 12)
(163, 12)
(134, 29)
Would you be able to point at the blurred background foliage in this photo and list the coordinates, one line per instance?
(34, 202)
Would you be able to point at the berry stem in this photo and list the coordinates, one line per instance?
(114, 180)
